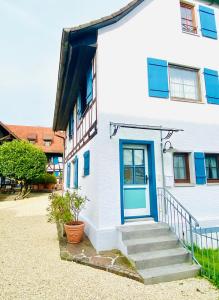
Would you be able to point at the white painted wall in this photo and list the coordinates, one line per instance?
(154, 30)
(151, 30)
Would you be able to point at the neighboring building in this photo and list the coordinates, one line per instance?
(52, 143)
(128, 84)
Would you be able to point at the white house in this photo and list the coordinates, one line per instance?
(138, 94)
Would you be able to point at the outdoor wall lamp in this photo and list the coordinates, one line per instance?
(168, 147)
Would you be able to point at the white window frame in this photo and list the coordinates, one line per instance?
(199, 82)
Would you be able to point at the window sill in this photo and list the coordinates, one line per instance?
(187, 100)
(213, 183)
(190, 33)
(184, 184)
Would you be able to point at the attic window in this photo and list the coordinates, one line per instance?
(32, 137)
(47, 140)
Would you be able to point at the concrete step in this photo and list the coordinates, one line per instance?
(151, 244)
(157, 229)
(141, 225)
(169, 273)
(160, 258)
(130, 226)
(145, 220)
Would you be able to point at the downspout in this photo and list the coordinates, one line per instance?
(162, 160)
(63, 160)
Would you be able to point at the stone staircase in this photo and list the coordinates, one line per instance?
(156, 252)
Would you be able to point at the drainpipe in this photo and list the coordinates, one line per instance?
(163, 201)
(162, 160)
(63, 159)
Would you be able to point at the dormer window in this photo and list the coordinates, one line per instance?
(47, 139)
(32, 138)
(188, 18)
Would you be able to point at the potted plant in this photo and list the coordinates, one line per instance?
(59, 210)
(75, 229)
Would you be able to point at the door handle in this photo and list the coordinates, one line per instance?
(146, 179)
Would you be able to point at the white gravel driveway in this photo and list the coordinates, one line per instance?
(30, 266)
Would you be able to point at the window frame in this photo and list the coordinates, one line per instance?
(47, 143)
(133, 166)
(182, 99)
(194, 19)
(83, 91)
(209, 180)
(187, 168)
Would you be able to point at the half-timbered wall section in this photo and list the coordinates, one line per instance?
(82, 126)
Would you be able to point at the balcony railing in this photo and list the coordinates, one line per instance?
(189, 28)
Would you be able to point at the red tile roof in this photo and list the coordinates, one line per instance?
(42, 134)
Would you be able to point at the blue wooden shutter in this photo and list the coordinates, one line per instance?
(55, 160)
(68, 175)
(89, 95)
(208, 23)
(76, 173)
(86, 163)
(200, 167)
(158, 78)
(212, 86)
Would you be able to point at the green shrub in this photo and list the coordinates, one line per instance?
(50, 178)
(45, 179)
(59, 208)
(22, 161)
(77, 203)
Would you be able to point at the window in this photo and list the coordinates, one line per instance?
(181, 168)
(32, 138)
(184, 83)
(71, 126)
(47, 143)
(188, 18)
(60, 159)
(134, 166)
(87, 90)
(212, 167)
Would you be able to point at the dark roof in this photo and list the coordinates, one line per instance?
(75, 32)
(108, 20)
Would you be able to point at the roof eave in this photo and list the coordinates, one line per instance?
(62, 62)
(9, 131)
(91, 26)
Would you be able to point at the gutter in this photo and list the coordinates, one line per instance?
(62, 63)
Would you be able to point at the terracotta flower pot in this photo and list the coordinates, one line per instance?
(50, 186)
(74, 231)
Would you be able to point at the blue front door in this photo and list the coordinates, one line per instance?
(136, 196)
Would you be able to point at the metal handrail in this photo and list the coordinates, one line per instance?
(180, 204)
(180, 220)
(202, 243)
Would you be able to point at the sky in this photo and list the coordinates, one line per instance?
(29, 53)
